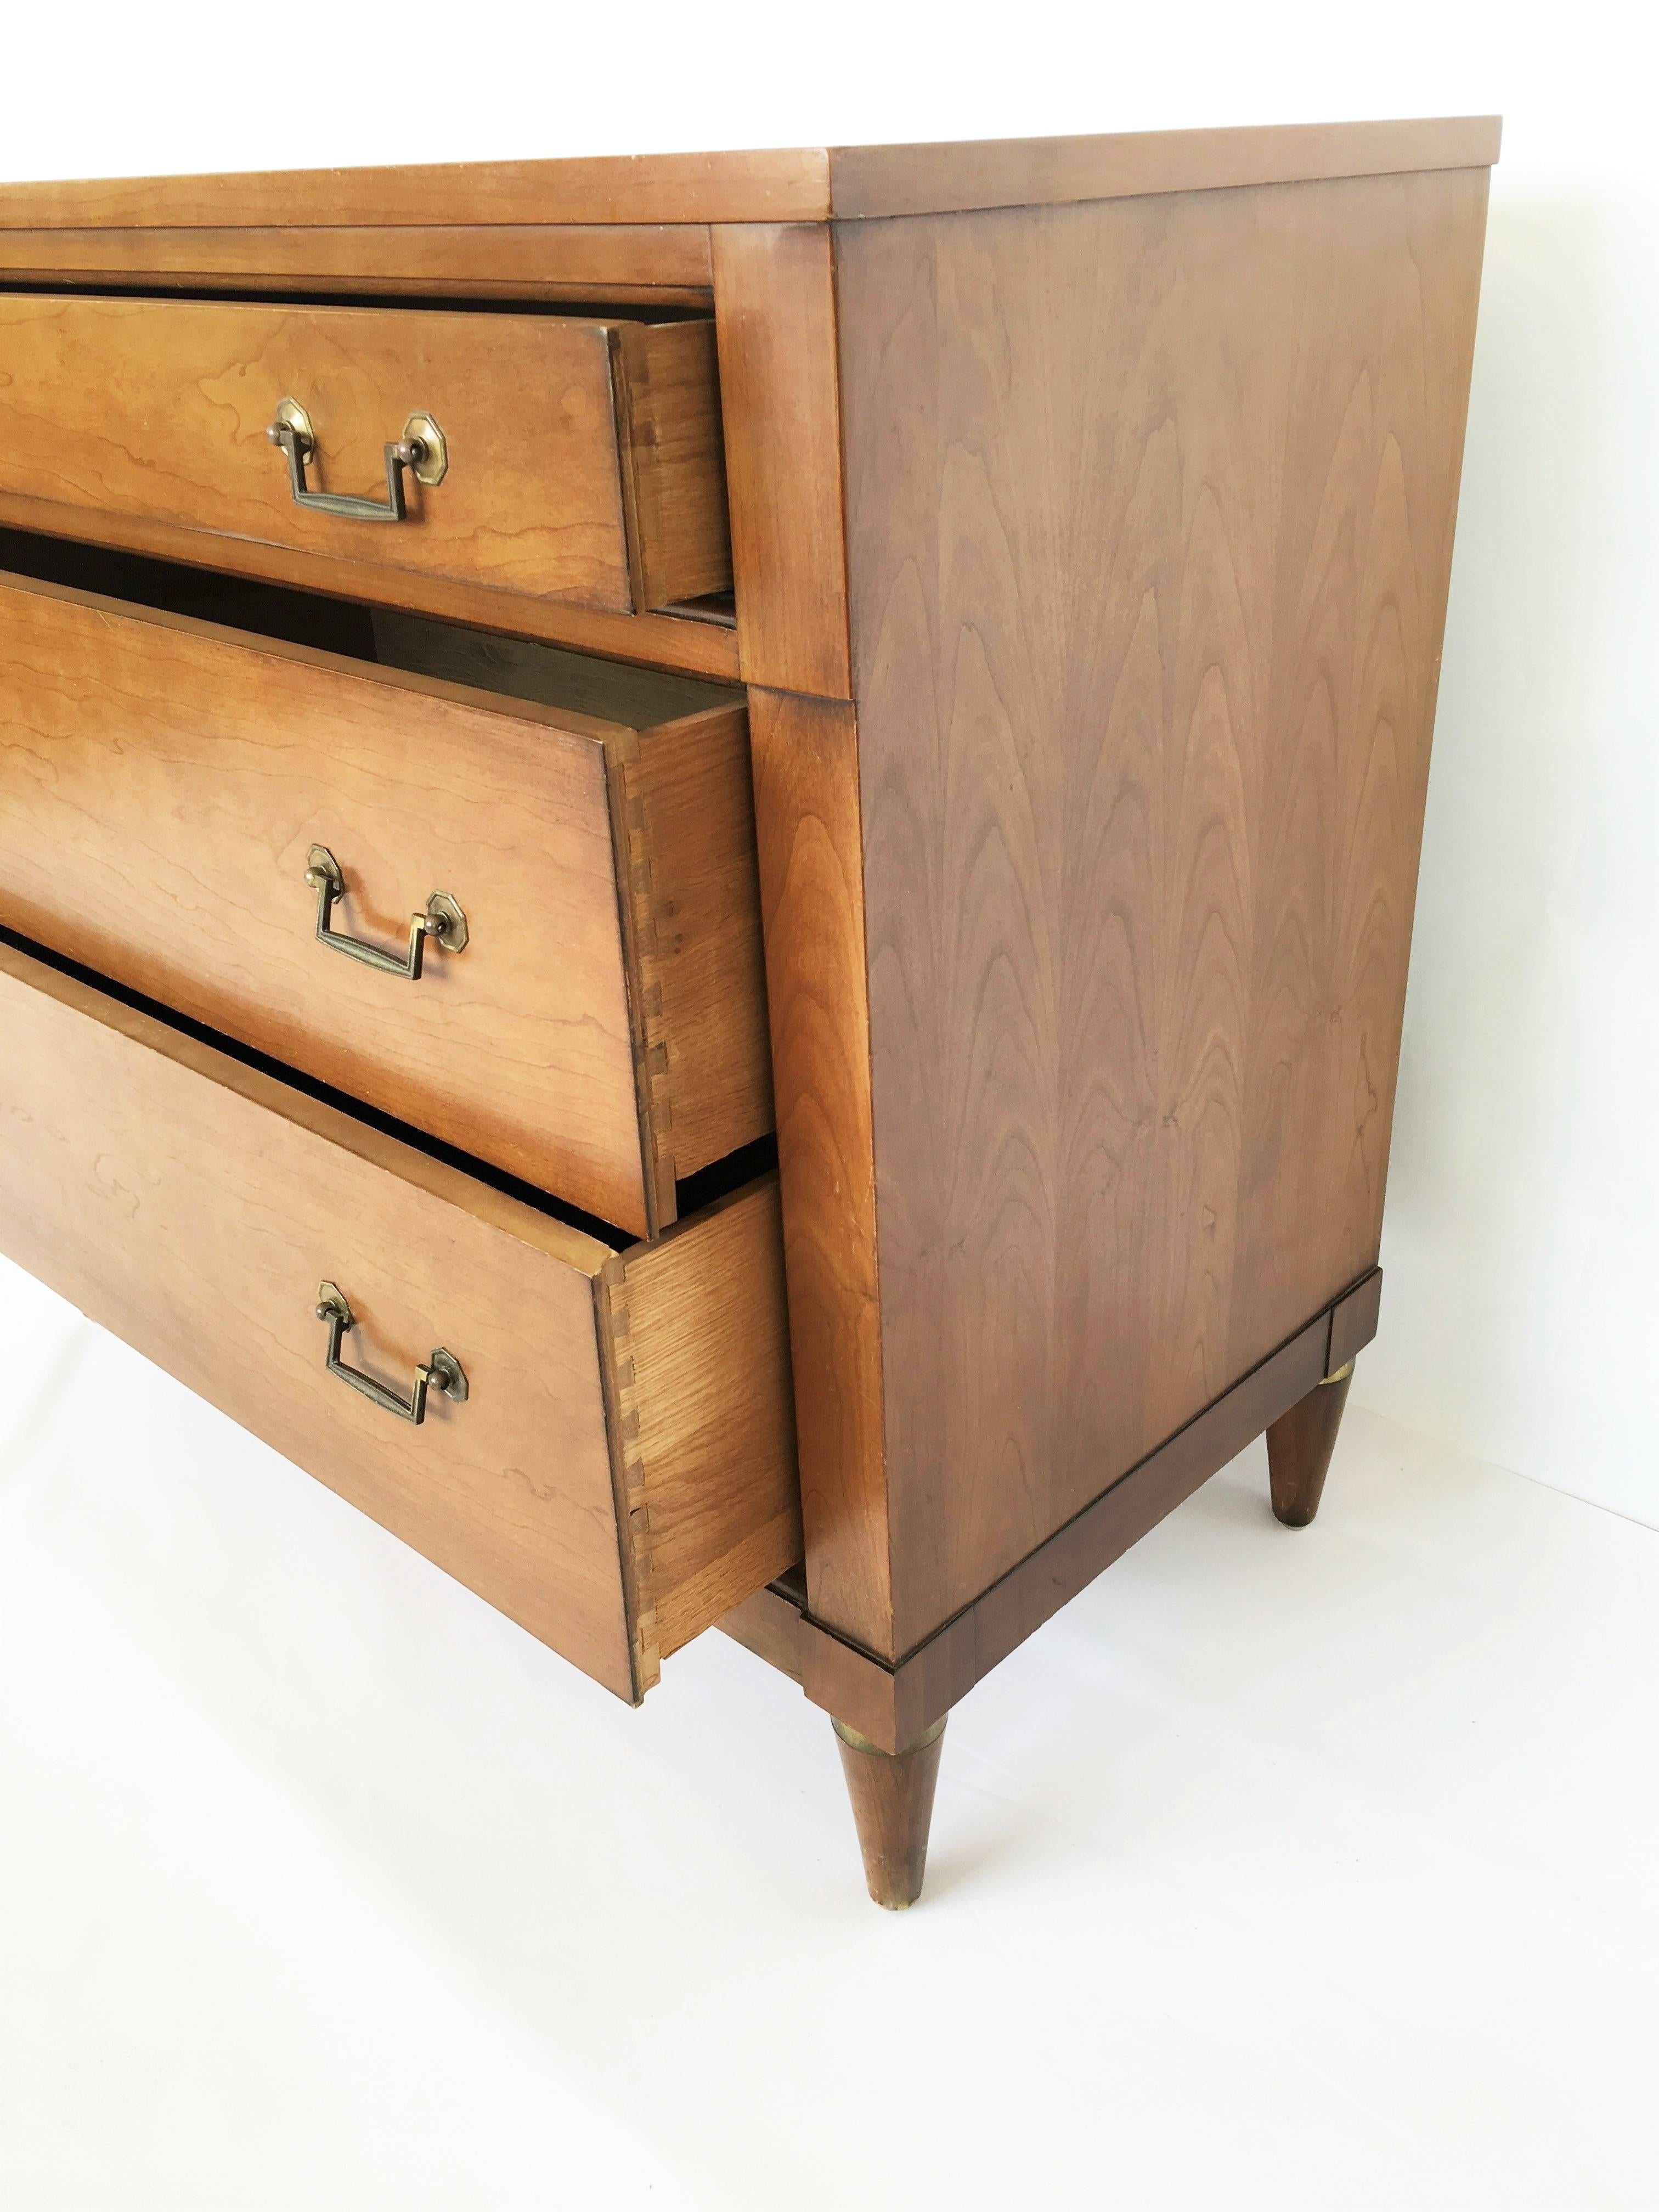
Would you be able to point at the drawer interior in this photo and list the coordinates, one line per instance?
(519, 668)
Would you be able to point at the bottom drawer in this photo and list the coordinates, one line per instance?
(620, 1469)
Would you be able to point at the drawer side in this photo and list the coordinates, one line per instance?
(669, 413)
(700, 1341)
(685, 831)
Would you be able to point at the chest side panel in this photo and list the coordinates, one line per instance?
(1150, 511)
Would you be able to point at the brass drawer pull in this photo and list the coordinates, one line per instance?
(441, 918)
(421, 448)
(442, 1367)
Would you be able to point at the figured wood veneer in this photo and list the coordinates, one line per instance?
(1150, 509)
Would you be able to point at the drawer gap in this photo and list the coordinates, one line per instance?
(552, 676)
(388, 1125)
(682, 304)
(695, 1193)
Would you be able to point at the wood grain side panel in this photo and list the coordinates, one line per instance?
(702, 1345)
(193, 1207)
(807, 820)
(580, 259)
(161, 784)
(667, 641)
(789, 185)
(1150, 510)
(690, 824)
(775, 309)
(158, 409)
(898, 181)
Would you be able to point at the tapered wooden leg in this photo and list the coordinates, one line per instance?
(892, 1795)
(1299, 1448)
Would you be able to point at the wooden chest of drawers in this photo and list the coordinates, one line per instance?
(706, 863)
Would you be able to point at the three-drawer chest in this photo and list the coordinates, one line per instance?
(707, 862)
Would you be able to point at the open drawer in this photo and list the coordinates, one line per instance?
(177, 795)
(606, 1446)
(551, 455)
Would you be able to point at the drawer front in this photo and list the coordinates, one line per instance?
(582, 457)
(621, 1469)
(163, 783)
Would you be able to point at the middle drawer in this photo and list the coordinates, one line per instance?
(216, 818)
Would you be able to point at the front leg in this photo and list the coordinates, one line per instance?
(1299, 1448)
(892, 1795)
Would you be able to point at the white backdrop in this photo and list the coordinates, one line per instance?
(321, 1885)
(1521, 1315)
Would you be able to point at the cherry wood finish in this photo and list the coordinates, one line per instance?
(812, 903)
(684, 821)
(584, 457)
(695, 1344)
(771, 1625)
(892, 1702)
(693, 647)
(787, 186)
(892, 1795)
(664, 383)
(1299, 1447)
(656, 265)
(775, 289)
(1090, 514)
(193, 1205)
(896, 181)
(604, 1031)
(796, 184)
(1150, 520)
(1353, 1324)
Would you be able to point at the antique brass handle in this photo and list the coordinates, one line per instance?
(441, 917)
(422, 449)
(442, 1368)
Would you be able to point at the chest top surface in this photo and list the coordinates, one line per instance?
(814, 184)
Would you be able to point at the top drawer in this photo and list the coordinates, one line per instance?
(581, 457)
